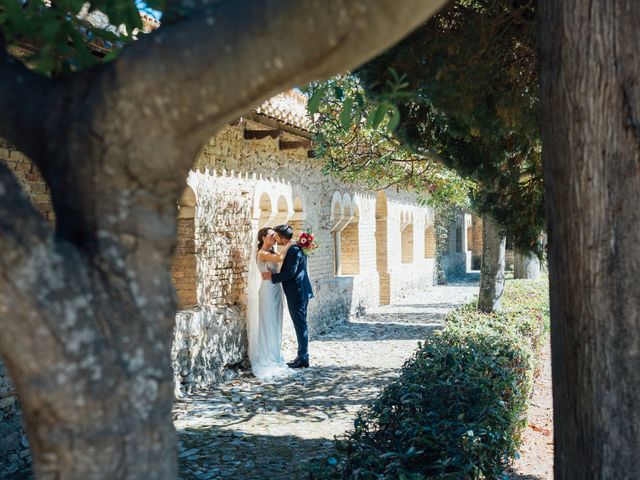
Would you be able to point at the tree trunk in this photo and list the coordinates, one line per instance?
(590, 75)
(493, 264)
(526, 266)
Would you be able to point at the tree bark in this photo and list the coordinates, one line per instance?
(526, 266)
(87, 311)
(590, 75)
(493, 264)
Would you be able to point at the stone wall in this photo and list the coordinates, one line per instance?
(184, 263)
(207, 342)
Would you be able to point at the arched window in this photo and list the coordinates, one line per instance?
(183, 266)
(350, 246)
(298, 220)
(406, 237)
(266, 210)
(282, 214)
(344, 221)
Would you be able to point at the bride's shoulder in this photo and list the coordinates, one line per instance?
(260, 255)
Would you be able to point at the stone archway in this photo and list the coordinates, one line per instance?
(382, 257)
(282, 213)
(350, 245)
(265, 212)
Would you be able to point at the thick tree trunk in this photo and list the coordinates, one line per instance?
(492, 269)
(591, 139)
(526, 266)
(93, 370)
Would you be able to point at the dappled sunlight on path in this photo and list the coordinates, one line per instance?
(247, 429)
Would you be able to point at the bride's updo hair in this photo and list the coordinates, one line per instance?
(263, 232)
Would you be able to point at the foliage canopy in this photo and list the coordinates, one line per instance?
(62, 36)
(462, 91)
(472, 97)
(355, 138)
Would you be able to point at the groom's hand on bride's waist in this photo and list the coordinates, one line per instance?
(266, 275)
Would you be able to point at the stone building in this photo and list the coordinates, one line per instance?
(464, 248)
(375, 247)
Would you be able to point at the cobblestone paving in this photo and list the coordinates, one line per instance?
(247, 429)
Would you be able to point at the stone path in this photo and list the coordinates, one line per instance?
(246, 429)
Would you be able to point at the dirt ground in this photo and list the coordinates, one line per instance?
(536, 453)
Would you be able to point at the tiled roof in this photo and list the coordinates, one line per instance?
(288, 107)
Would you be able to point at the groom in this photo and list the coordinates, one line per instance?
(297, 289)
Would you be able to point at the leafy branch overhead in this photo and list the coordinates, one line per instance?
(355, 137)
(462, 89)
(67, 35)
(473, 97)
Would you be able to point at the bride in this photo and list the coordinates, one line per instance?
(267, 361)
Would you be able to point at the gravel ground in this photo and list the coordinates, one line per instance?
(247, 429)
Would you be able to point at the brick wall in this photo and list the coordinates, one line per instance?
(29, 178)
(183, 265)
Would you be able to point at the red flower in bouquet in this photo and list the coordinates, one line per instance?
(306, 241)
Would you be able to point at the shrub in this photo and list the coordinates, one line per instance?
(459, 404)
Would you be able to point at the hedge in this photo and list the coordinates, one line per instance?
(458, 407)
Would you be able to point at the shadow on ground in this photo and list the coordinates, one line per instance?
(302, 415)
(236, 455)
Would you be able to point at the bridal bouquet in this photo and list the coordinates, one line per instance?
(306, 241)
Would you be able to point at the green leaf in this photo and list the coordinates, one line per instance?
(394, 118)
(314, 102)
(376, 116)
(345, 114)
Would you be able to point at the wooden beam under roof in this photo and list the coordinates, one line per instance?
(291, 144)
(260, 134)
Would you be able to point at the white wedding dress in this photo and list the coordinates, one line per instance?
(267, 362)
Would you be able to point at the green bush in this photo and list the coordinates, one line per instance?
(459, 405)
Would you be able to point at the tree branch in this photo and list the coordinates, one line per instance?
(185, 81)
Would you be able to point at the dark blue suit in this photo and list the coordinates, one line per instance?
(297, 288)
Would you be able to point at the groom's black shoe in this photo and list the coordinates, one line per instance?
(298, 363)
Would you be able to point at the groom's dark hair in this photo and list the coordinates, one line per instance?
(284, 231)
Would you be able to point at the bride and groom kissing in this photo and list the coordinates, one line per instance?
(282, 271)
